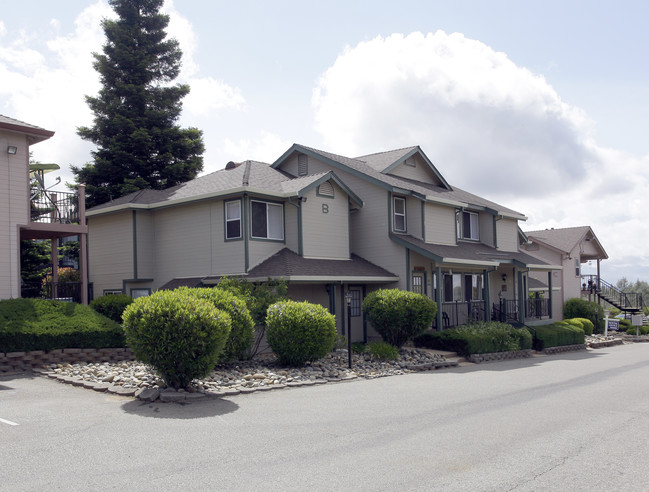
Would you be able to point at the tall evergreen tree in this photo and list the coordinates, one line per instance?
(139, 144)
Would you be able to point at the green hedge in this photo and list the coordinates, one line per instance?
(557, 335)
(112, 306)
(580, 308)
(398, 315)
(39, 324)
(477, 338)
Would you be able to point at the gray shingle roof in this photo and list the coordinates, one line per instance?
(288, 264)
(11, 124)
(565, 239)
(428, 190)
(477, 253)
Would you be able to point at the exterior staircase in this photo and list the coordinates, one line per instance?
(627, 302)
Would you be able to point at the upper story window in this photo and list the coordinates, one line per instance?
(467, 226)
(233, 219)
(577, 268)
(302, 165)
(399, 214)
(266, 220)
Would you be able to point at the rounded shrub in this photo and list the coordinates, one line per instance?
(580, 308)
(300, 332)
(398, 315)
(181, 336)
(586, 325)
(242, 333)
(112, 306)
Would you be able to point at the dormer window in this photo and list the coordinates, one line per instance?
(399, 214)
(467, 226)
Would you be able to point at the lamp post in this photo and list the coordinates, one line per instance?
(348, 299)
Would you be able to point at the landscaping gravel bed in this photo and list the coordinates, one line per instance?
(131, 378)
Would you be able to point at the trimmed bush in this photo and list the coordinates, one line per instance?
(477, 338)
(557, 335)
(398, 315)
(382, 351)
(39, 324)
(580, 308)
(242, 332)
(112, 306)
(586, 325)
(642, 330)
(181, 336)
(300, 332)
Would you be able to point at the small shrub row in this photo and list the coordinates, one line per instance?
(398, 315)
(477, 338)
(557, 335)
(642, 330)
(40, 324)
(583, 323)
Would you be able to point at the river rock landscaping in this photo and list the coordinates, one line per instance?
(132, 378)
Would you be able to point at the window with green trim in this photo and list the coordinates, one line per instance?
(399, 214)
(233, 219)
(266, 220)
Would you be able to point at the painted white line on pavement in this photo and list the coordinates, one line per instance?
(8, 422)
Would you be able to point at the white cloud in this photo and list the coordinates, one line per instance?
(266, 145)
(491, 127)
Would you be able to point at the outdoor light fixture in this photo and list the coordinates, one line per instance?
(348, 300)
(12, 149)
(504, 277)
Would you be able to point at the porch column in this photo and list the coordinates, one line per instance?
(55, 267)
(521, 297)
(550, 294)
(83, 248)
(487, 295)
(438, 297)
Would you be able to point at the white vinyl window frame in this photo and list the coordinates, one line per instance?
(468, 226)
(233, 219)
(399, 222)
(266, 220)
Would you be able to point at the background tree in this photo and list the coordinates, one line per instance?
(139, 144)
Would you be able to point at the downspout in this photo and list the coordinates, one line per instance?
(246, 253)
(438, 297)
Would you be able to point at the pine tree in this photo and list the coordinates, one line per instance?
(139, 144)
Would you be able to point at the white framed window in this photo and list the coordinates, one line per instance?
(577, 268)
(266, 220)
(233, 219)
(399, 214)
(135, 293)
(468, 226)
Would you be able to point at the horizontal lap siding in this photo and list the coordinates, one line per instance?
(507, 234)
(110, 250)
(440, 224)
(183, 242)
(486, 228)
(14, 210)
(325, 227)
(421, 172)
(145, 245)
(227, 257)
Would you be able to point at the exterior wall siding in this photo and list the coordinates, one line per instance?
(146, 245)
(183, 242)
(14, 210)
(110, 251)
(421, 172)
(440, 224)
(507, 235)
(325, 225)
(486, 222)
(226, 257)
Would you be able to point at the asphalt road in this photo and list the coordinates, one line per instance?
(574, 421)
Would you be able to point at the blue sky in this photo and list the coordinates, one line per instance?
(539, 106)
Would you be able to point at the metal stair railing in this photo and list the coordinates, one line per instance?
(624, 301)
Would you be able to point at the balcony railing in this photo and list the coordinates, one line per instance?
(63, 291)
(55, 207)
(457, 313)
